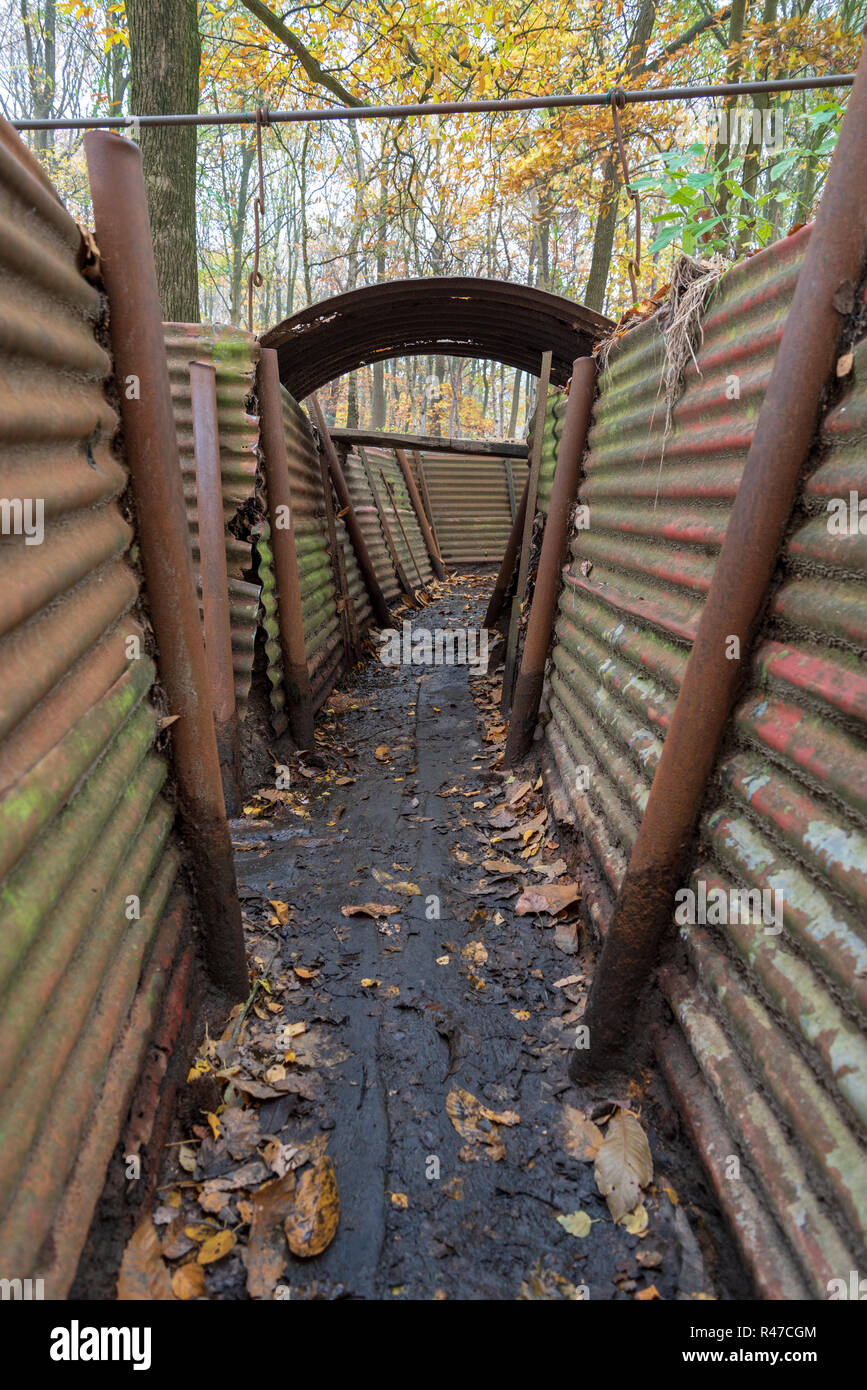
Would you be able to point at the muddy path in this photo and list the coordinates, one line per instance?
(431, 1068)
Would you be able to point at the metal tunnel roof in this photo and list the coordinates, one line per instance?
(456, 316)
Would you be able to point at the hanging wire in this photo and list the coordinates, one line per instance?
(618, 103)
(255, 279)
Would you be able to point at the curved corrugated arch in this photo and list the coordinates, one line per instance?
(455, 316)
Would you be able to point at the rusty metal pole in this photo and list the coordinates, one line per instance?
(215, 578)
(347, 511)
(123, 233)
(540, 624)
(281, 518)
(824, 296)
(510, 555)
(418, 507)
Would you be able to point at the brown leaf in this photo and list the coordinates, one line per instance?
(502, 866)
(312, 1224)
(189, 1281)
(143, 1276)
(381, 753)
(265, 1256)
(369, 910)
(623, 1164)
(582, 1139)
(465, 1112)
(547, 897)
(240, 1130)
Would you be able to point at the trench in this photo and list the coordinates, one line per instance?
(452, 999)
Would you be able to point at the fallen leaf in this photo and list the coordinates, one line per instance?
(265, 1255)
(502, 866)
(281, 913)
(304, 974)
(582, 1139)
(216, 1247)
(467, 1113)
(240, 1130)
(648, 1259)
(400, 1199)
(578, 1223)
(381, 753)
(143, 1276)
(189, 1281)
(650, 1292)
(547, 897)
(408, 889)
(623, 1164)
(475, 952)
(370, 910)
(635, 1221)
(311, 1225)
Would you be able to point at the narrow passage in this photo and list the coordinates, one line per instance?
(398, 1104)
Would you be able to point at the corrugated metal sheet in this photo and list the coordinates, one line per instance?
(773, 1019)
(555, 409)
(84, 829)
(413, 557)
(470, 498)
(234, 354)
(365, 508)
(323, 633)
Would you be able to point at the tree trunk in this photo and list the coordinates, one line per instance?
(40, 39)
(723, 147)
(164, 77)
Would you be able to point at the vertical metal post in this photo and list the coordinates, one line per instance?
(824, 295)
(123, 234)
(347, 511)
(510, 484)
(535, 462)
(215, 578)
(281, 518)
(528, 690)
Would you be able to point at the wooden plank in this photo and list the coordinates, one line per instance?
(432, 444)
(511, 666)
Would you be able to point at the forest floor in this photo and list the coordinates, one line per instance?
(390, 1116)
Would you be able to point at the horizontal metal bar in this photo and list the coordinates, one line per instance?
(440, 108)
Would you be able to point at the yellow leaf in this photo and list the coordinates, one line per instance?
(400, 1199)
(216, 1247)
(311, 1225)
(189, 1281)
(635, 1221)
(578, 1223)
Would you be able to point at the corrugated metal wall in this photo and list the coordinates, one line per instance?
(473, 504)
(84, 829)
(770, 1047)
(323, 632)
(555, 410)
(234, 354)
(364, 505)
(413, 557)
